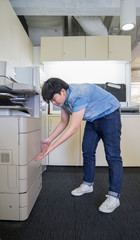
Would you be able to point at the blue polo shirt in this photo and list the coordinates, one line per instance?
(96, 101)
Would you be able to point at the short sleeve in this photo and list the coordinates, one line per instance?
(79, 103)
(62, 108)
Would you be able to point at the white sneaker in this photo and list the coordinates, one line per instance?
(110, 204)
(84, 188)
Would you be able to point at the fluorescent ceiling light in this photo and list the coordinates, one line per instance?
(127, 14)
(128, 26)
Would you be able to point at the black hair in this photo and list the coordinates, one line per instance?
(52, 86)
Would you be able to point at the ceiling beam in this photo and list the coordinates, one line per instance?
(69, 8)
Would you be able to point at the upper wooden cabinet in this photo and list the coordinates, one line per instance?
(51, 49)
(73, 48)
(119, 48)
(86, 48)
(62, 48)
(97, 48)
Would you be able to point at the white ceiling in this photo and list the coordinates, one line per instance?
(56, 17)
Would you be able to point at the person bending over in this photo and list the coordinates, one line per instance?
(100, 110)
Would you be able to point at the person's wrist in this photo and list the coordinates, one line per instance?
(51, 148)
(46, 142)
(49, 140)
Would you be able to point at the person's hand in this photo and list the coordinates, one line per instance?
(44, 147)
(43, 153)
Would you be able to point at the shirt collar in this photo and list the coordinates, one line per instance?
(67, 96)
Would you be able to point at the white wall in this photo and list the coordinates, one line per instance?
(36, 56)
(92, 72)
(15, 46)
(87, 71)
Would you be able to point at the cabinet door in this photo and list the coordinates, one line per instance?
(130, 149)
(73, 48)
(100, 154)
(120, 48)
(51, 49)
(97, 48)
(68, 153)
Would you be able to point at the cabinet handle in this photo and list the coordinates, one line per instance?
(50, 125)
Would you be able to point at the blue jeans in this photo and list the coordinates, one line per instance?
(108, 129)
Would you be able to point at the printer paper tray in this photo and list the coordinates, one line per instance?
(18, 206)
(15, 108)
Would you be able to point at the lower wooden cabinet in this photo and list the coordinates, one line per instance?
(70, 152)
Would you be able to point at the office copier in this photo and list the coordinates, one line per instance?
(20, 142)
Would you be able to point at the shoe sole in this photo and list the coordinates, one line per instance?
(80, 194)
(108, 211)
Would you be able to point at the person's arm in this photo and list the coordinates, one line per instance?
(60, 127)
(75, 123)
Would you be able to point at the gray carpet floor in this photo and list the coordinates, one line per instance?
(57, 215)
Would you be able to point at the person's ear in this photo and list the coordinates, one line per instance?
(63, 92)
